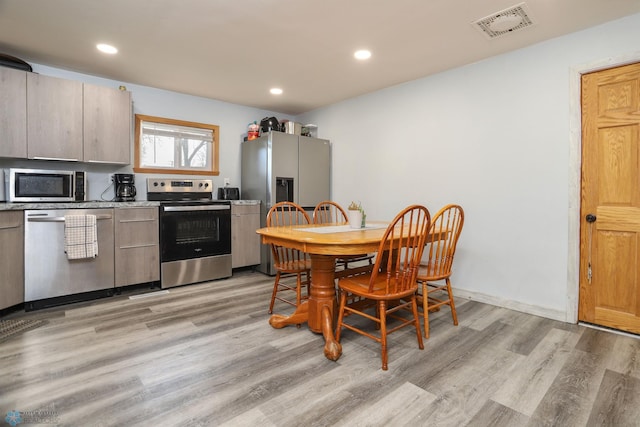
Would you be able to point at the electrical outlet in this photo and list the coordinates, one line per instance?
(110, 177)
(227, 181)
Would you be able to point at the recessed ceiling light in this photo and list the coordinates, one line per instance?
(106, 48)
(276, 91)
(362, 54)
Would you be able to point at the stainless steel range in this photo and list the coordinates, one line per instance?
(195, 231)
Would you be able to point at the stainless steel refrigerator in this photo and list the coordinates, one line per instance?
(280, 167)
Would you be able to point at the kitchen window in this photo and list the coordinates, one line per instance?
(175, 146)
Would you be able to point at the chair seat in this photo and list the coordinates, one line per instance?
(425, 272)
(359, 285)
(296, 266)
(354, 258)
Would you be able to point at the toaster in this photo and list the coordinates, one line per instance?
(228, 193)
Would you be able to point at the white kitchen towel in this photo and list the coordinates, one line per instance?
(80, 236)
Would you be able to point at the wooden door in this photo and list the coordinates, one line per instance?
(610, 245)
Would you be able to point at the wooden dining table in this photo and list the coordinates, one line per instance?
(324, 243)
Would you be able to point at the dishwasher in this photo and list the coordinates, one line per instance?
(50, 278)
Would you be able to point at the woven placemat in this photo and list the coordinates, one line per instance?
(11, 328)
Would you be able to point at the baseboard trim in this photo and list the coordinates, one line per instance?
(511, 305)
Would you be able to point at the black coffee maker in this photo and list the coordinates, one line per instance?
(125, 187)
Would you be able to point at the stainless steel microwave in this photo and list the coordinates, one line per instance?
(40, 185)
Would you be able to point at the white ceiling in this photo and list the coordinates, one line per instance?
(235, 51)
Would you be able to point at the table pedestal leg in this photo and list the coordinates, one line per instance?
(318, 311)
(332, 348)
(322, 303)
(299, 316)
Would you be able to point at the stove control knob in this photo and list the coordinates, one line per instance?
(200, 185)
(162, 184)
(155, 184)
(206, 184)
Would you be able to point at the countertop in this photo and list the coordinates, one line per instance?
(95, 204)
(245, 202)
(90, 204)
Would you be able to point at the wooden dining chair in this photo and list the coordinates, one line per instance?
(446, 227)
(329, 212)
(287, 261)
(391, 285)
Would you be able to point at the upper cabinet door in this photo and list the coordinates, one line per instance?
(54, 128)
(107, 125)
(13, 113)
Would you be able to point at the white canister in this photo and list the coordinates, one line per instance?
(355, 219)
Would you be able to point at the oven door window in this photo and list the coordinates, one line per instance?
(195, 234)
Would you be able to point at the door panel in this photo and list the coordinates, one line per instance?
(615, 248)
(609, 247)
(618, 153)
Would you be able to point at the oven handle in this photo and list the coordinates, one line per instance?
(197, 208)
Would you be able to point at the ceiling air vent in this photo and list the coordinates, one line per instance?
(504, 22)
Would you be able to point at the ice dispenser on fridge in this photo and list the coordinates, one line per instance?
(284, 189)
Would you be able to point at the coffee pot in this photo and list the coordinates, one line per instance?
(125, 187)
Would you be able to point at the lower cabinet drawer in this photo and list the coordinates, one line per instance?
(137, 239)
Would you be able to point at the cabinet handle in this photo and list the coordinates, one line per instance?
(55, 158)
(138, 246)
(9, 227)
(106, 162)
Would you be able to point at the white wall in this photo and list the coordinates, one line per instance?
(494, 137)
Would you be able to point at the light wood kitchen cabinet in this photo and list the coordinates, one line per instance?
(54, 125)
(137, 258)
(13, 113)
(12, 259)
(43, 117)
(107, 125)
(245, 242)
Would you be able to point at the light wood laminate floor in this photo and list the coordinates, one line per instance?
(205, 355)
